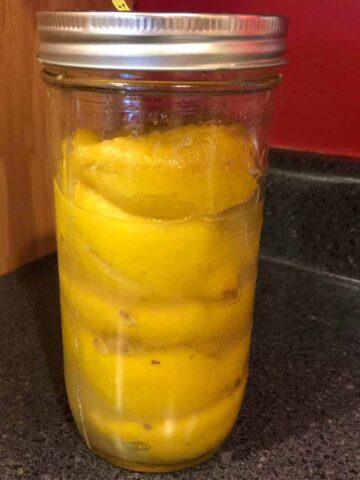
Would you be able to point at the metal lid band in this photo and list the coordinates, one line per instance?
(137, 41)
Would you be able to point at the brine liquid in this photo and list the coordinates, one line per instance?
(156, 340)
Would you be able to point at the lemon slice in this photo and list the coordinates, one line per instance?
(187, 171)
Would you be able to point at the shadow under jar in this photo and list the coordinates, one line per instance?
(158, 142)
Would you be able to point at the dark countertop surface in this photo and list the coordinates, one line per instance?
(301, 414)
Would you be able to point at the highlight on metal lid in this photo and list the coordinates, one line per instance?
(160, 41)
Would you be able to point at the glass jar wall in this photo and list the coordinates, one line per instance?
(159, 186)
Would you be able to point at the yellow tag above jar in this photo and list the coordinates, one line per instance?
(121, 5)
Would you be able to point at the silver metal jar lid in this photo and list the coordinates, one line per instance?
(160, 41)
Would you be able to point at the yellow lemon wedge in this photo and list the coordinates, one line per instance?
(151, 259)
(173, 440)
(179, 379)
(187, 171)
(151, 325)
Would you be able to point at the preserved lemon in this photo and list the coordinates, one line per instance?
(190, 170)
(158, 238)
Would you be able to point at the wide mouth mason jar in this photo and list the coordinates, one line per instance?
(158, 127)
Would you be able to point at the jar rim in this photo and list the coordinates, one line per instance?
(161, 41)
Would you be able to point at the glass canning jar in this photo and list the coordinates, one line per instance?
(158, 143)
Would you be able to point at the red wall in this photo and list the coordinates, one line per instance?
(318, 105)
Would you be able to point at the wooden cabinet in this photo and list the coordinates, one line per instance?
(26, 227)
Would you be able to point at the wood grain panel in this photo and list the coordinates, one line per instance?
(26, 227)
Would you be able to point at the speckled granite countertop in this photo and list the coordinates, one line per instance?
(301, 416)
